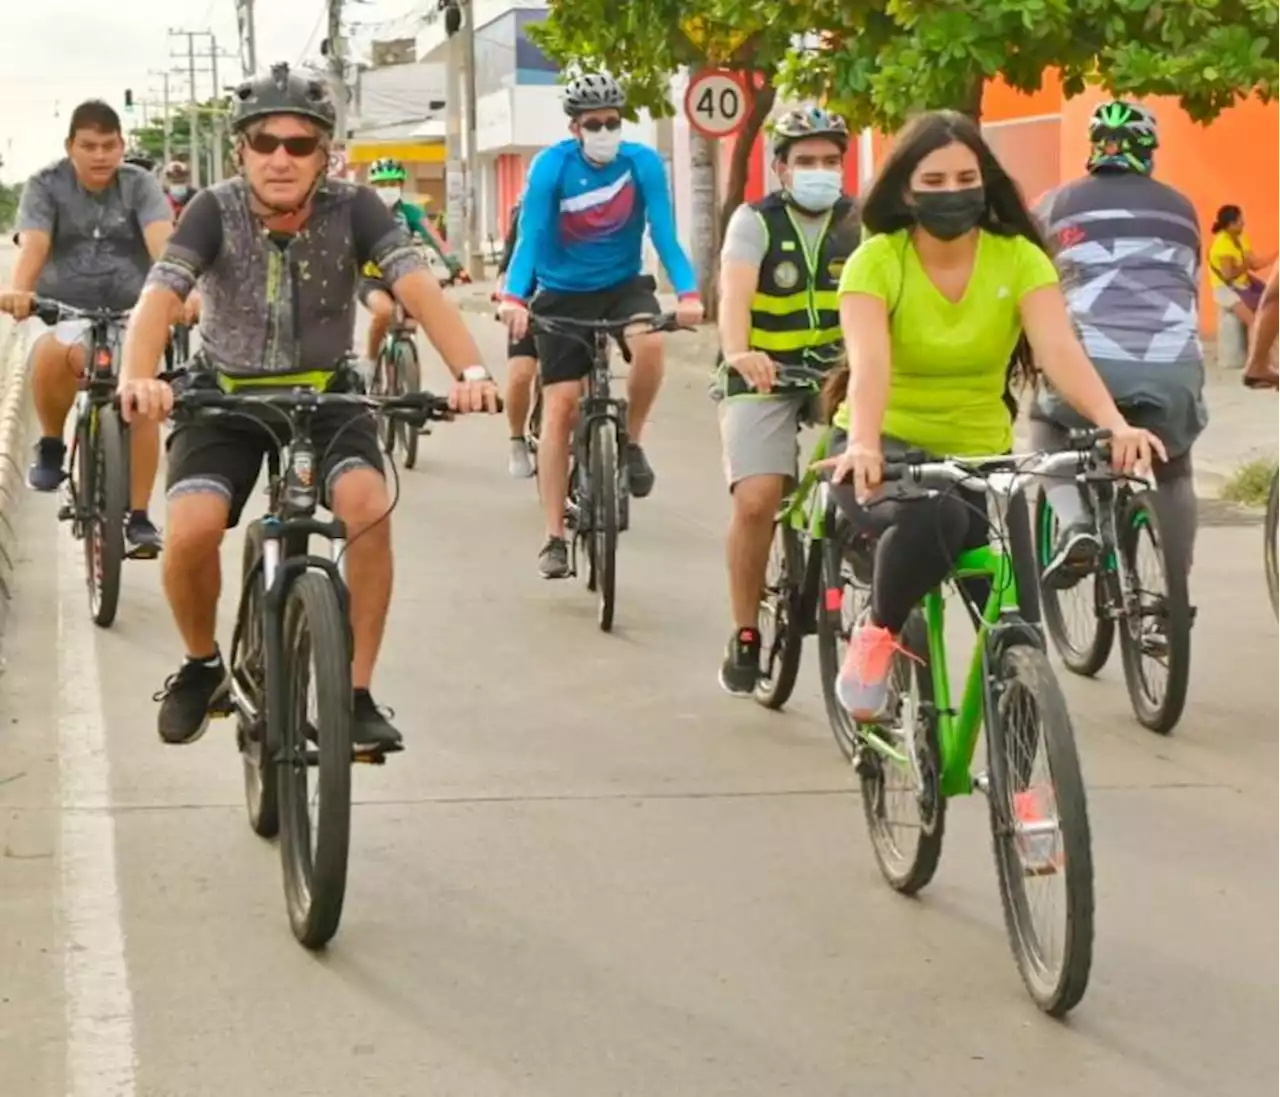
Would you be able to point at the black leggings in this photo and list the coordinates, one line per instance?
(918, 539)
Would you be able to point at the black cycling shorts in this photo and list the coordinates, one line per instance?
(368, 285)
(524, 347)
(223, 456)
(564, 359)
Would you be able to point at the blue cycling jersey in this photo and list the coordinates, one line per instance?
(582, 224)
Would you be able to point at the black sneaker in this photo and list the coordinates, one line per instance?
(1074, 556)
(640, 474)
(371, 727)
(143, 537)
(553, 560)
(740, 670)
(187, 698)
(45, 472)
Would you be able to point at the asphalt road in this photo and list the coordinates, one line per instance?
(591, 872)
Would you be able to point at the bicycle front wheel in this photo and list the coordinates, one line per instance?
(1155, 641)
(604, 518)
(317, 656)
(1269, 546)
(782, 634)
(404, 358)
(261, 775)
(1040, 828)
(384, 383)
(104, 497)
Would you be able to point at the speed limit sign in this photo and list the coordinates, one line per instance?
(716, 102)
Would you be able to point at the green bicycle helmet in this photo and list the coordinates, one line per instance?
(387, 170)
(1122, 137)
(812, 121)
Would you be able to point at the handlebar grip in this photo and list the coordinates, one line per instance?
(892, 472)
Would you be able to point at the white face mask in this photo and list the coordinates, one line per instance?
(816, 189)
(389, 195)
(601, 146)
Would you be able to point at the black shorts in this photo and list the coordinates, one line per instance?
(564, 359)
(369, 285)
(223, 456)
(524, 347)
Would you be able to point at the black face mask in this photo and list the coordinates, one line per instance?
(948, 214)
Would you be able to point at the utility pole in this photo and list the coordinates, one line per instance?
(335, 49)
(193, 120)
(463, 178)
(475, 246)
(216, 143)
(168, 125)
(248, 39)
(215, 123)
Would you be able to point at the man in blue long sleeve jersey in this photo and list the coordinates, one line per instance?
(586, 203)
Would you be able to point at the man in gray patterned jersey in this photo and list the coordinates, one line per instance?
(89, 227)
(277, 253)
(1128, 251)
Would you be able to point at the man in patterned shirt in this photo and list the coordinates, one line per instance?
(277, 253)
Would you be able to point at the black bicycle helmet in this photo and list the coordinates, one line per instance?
(813, 121)
(1122, 136)
(140, 160)
(593, 91)
(283, 92)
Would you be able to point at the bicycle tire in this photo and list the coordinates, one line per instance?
(107, 498)
(835, 581)
(261, 775)
(781, 601)
(1022, 669)
(1270, 550)
(1142, 510)
(383, 383)
(408, 379)
(908, 874)
(603, 463)
(1090, 658)
(315, 885)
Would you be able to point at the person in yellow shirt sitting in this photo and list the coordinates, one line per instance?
(934, 308)
(1232, 263)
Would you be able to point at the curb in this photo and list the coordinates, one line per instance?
(13, 423)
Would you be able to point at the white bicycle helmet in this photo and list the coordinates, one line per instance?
(593, 91)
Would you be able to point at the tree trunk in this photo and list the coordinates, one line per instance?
(740, 162)
(972, 104)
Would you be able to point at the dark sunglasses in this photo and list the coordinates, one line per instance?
(266, 143)
(594, 125)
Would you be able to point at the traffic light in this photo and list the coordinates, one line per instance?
(128, 98)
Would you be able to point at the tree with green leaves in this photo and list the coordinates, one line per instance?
(149, 139)
(644, 42)
(884, 61)
(10, 196)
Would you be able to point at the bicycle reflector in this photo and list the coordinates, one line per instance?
(102, 360)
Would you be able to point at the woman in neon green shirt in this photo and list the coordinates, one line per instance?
(934, 309)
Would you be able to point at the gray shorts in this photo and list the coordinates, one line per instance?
(759, 435)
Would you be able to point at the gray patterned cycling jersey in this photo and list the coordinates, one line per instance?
(1127, 248)
(273, 303)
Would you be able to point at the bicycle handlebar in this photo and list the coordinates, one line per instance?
(50, 312)
(569, 325)
(415, 407)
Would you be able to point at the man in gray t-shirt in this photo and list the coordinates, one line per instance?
(89, 227)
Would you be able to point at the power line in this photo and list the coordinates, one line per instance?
(320, 17)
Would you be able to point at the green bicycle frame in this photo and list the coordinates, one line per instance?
(797, 510)
(958, 728)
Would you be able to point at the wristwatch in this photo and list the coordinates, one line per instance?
(476, 373)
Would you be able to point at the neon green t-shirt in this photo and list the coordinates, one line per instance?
(948, 360)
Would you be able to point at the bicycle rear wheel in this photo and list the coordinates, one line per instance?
(842, 601)
(383, 383)
(316, 652)
(604, 518)
(782, 637)
(404, 360)
(902, 800)
(1039, 826)
(1082, 631)
(103, 492)
(261, 776)
(1155, 641)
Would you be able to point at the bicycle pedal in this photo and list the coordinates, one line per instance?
(219, 710)
(66, 513)
(376, 757)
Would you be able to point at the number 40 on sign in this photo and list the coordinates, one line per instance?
(716, 102)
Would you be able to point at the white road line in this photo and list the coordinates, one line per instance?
(99, 1007)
